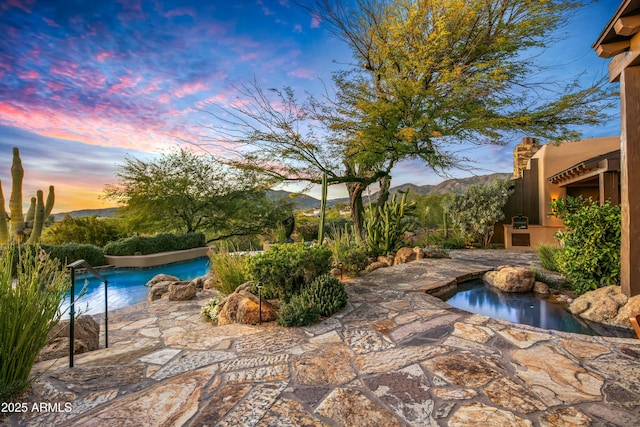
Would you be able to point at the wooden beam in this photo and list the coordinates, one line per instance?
(625, 59)
(612, 49)
(630, 181)
(627, 26)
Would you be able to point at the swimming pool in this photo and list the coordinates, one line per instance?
(126, 286)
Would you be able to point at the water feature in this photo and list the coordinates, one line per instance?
(525, 308)
(126, 286)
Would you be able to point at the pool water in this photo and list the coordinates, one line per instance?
(525, 308)
(126, 286)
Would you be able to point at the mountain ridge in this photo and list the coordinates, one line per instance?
(304, 202)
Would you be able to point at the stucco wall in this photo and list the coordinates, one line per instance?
(556, 158)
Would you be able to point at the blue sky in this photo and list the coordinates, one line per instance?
(83, 83)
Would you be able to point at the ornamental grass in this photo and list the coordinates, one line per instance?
(32, 288)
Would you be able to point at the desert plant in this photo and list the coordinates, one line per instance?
(228, 267)
(547, 256)
(385, 227)
(299, 311)
(347, 249)
(30, 309)
(284, 269)
(590, 255)
(210, 310)
(21, 227)
(327, 294)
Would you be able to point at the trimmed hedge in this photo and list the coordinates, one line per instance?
(164, 242)
(71, 252)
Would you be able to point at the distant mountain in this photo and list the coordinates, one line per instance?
(86, 212)
(304, 202)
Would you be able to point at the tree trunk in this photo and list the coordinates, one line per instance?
(355, 190)
(383, 194)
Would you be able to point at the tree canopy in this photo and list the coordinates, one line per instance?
(182, 191)
(428, 76)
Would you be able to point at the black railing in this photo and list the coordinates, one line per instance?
(72, 312)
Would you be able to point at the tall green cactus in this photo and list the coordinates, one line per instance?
(384, 234)
(4, 218)
(21, 227)
(323, 208)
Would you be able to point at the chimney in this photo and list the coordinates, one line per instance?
(522, 153)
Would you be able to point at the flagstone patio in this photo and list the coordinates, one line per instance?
(394, 356)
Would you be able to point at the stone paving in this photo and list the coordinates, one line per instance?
(394, 356)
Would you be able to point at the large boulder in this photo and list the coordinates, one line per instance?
(244, 307)
(404, 255)
(606, 305)
(181, 291)
(158, 290)
(86, 332)
(161, 278)
(510, 279)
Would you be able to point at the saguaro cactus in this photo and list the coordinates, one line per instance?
(21, 228)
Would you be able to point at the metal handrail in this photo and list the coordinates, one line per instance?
(72, 268)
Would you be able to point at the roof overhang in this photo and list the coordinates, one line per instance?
(620, 39)
(583, 171)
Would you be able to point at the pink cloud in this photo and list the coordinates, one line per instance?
(315, 21)
(190, 89)
(26, 5)
(297, 28)
(302, 73)
(29, 75)
(50, 22)
(181, 11)
(248, 56)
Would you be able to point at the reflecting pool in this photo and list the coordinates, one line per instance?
(525, 308)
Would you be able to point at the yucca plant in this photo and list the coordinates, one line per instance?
(31, 292)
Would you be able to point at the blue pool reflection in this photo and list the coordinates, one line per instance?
(126, 286)
(525, 308)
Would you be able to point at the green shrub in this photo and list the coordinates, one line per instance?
(321, 298)
(71, 252)
(163, 242)
(228, 269)
(590, 255)
(547, 256)
(346, 249)
(299, 311)
(285, 269)
(453, 242)
(88, 230)
(327, 294)
(29, 310)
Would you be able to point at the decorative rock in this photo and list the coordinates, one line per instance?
(386, 259)
(86, 335)
(330, 365)
(350, 407)
(540, 288)
(336, 272)
(565, 417)
(244, 307)
(376, 265)
(181, 291)
(477, 414)
(404, 255)
(555, 378)
(630, 308)
(157, 290)
(161, 278)
(510, 279)
(601, 305)
(461, 370)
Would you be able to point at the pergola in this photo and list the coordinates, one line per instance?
(620, 40)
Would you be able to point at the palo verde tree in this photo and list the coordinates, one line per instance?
(427, 77)
(182, 191)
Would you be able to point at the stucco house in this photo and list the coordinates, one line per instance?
(542, 173)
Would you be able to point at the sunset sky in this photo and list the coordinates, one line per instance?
(84, 83)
